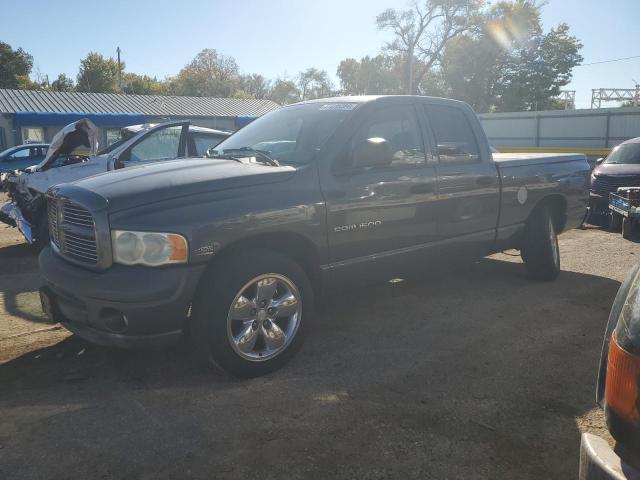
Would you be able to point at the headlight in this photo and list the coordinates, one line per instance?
(148, 248)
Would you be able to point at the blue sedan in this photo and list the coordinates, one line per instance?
(22, 156)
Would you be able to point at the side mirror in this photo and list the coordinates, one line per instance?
(373, 152)
(599, 161)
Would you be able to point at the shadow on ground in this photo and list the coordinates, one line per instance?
(19, 282)
(471, 373)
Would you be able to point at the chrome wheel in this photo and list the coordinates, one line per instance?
(554, 242)
(264, 317)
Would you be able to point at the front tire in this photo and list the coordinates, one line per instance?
(540, 250)
(250, 313)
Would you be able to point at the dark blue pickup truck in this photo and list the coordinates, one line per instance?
(312, 198)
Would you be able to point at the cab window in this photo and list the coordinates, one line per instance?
(398, 127)
(456, 142)
(22, 154)
(160, 145)
(205, 141)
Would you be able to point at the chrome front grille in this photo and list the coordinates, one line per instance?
(52, 209)
(72, 231)
(606, 184)
(76, 215)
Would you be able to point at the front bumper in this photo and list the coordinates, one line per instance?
(122, 306)
(598, 461)
(11, 214)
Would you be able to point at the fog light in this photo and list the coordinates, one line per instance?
(114, 320)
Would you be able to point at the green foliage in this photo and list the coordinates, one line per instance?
(15, 67)
(255, 85)
(284, 92)
(98, 74)
(495, 57)
(535, 74)
(422, 32)
(209, 74)
(62, 84)
(510, 64)
(379, 75)
(142, 85)
(314, 83)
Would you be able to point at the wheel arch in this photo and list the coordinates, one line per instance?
(292, 245)
(557, 205)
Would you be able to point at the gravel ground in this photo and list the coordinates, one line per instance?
(471, 373)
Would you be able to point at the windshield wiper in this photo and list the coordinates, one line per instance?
(261, 153)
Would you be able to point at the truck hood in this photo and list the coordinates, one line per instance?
(617, 169)
(136, 186)
(82, 133)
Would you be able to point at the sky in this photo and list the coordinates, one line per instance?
(278, 38)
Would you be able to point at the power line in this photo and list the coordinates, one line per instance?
(608, 61)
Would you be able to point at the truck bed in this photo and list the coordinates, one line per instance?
(521, 159)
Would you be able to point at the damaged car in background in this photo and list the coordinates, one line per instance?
(72, 156)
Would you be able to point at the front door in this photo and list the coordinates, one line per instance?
(378, 216)
(162, 143)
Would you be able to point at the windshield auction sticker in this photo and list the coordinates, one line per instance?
(338, 106)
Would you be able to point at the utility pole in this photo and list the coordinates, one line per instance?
(119, 69)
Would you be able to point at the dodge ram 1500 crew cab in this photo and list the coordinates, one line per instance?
(313, 197)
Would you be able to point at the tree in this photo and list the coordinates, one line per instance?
(421, 33)
(98, 74)
(535, 76)
(255, 85)
(62, 84)
(314, 83)
(209, 74)
(284, 92)
(379, 75)
(15, 67)
(510, 64)
(142, 85)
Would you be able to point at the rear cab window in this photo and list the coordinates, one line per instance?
(456, 142)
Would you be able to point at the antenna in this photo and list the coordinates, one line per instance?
(119, 69)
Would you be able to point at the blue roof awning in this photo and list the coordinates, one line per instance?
(44, 119)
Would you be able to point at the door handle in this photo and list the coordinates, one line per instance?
(485, 181)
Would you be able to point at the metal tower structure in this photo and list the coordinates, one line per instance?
(600, 95)
(569, 99)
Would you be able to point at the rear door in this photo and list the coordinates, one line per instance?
(379, 216)
(468, 183)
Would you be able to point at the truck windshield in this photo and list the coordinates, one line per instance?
(628, 154)
(292, 134)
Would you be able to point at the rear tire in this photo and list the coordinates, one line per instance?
(615, 221)
(222, 329)
(540, 250)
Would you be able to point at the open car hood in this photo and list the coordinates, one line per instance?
(82, 133)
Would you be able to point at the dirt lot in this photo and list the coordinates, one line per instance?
(471, 373)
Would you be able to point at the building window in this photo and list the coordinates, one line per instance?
(32, 135)
(113, 135)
